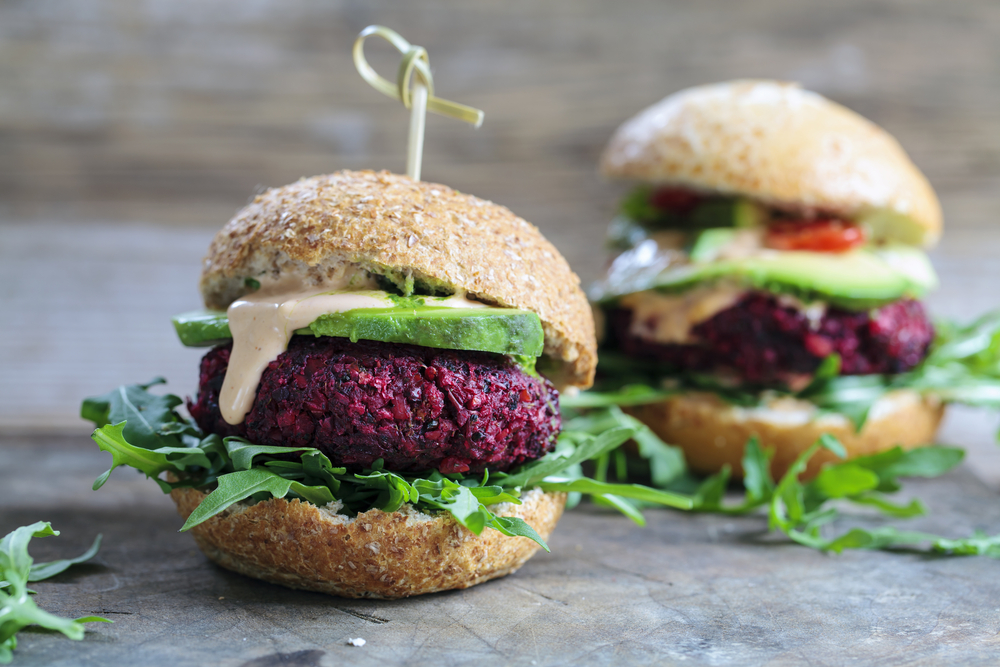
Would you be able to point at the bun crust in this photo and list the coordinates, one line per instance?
(712, 433)
(777, 143)
(395, 226)
(374, 555)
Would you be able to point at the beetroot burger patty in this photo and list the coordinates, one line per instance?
(763, 341)
(417, 408)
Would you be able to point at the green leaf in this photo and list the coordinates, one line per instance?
(555, 462)
(634, 491)
(242, 452)
(925, 462)
(17, 608)
(146, 415)
(516, 526)
(911, 509)
(14, 549)
(236, 486)
(845, 480)
(757, 470)
(466, 508)
(633, 394)
(711, 491)
(787, 505)
(491, 495)
(111, 439)
(830, 443)
(620, 504)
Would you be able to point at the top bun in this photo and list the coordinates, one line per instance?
(785, 146)
(407, 231)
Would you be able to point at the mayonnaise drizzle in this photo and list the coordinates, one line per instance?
(263, 323)
(669, 318)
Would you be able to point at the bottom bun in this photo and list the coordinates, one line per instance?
(373, 555)
(712, 433)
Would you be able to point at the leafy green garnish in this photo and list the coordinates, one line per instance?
(17, 609)
(636, 206)
(963, 366)
(801, 509)
(627, 395)
(242, 471)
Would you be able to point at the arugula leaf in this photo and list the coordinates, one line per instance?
(666, 463)
(111, 438)
(636, 491)
(757, 471)
(513, 526)
(243, 484)
(710, 492)
(145, 414)
(242, 452)
(243, 471)
(631, 394)
(635, 205)
(797, 509)
(552, 463)
(17, 609)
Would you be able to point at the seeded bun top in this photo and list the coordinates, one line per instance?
(410, 232)
(785, 146)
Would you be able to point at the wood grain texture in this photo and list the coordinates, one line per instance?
(177, 111)
(131, 132)
(685, 590)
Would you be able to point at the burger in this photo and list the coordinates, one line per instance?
(378, 412)
(385, 365)
(766, 278)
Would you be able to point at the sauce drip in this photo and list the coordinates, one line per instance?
(263, 323)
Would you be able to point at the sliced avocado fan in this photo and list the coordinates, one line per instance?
(499, 330)
(855, 280)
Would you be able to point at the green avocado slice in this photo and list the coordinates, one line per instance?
(499, 330)
(855, 280)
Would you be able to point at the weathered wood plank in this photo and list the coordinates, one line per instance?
(683, 590)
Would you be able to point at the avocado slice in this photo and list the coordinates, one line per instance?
(202, 328)
(500, 330)
(855, 280)
(709, 243)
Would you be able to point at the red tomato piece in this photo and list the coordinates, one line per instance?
(823, 235)
(678, 200)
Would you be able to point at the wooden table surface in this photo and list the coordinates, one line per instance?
(129, 132)
(686, 589)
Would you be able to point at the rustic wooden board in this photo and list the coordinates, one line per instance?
(173, 111)
(684, 590)
(129, 132)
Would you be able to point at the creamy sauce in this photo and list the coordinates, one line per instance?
(263, 322)
(814, 311)
(669, 318)
(458, 300)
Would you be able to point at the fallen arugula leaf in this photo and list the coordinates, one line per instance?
(800, 509)
(17, 608)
